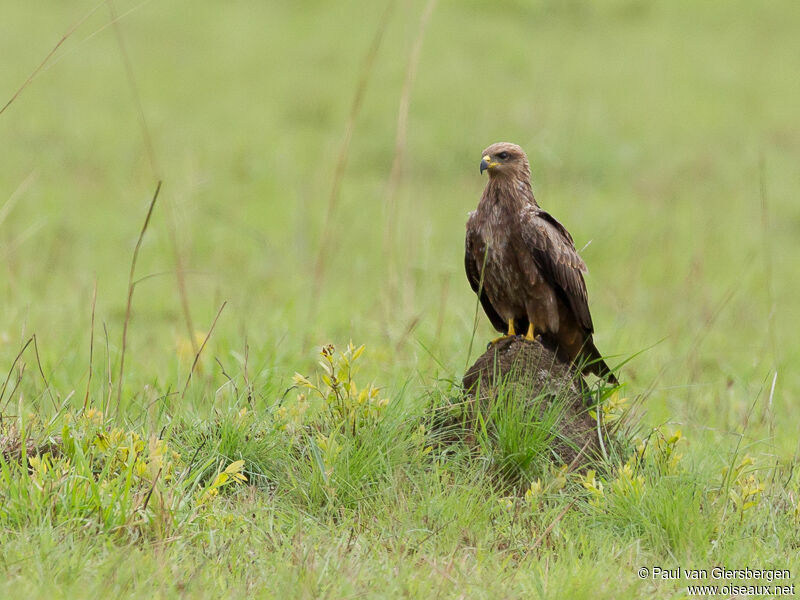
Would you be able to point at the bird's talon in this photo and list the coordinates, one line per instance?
(530, 335)
(500, 339)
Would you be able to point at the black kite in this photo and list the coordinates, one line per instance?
(524, 266)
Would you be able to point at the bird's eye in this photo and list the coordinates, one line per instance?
(502, 155)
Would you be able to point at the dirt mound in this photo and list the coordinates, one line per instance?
(536, 376)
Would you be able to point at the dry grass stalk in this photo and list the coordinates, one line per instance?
(344, 153)
(200, 350)
(91, 347)
(50, 54)
(131, 287)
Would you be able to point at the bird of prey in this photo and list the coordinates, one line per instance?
(523, 264)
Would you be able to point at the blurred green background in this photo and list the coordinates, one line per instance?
(665, 135)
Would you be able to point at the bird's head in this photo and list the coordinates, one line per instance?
(505, 160)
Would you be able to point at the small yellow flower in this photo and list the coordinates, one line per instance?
(185, 348)
(234, 470)
(591, 483)
(302, 381)
(559, 478)
(357, 352)
(612, 408)
(534, 492)
(231, 474)
(626, 483)
(675, 438)
(93, 415)
(37, 464)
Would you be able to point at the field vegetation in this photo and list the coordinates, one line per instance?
(233, 310)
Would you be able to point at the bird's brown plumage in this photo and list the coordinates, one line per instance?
(523, 263)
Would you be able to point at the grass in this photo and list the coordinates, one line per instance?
(664, 136)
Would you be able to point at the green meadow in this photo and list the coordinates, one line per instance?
(178, 426)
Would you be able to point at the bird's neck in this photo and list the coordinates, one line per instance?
(509, 192)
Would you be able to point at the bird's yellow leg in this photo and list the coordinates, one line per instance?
(511, 333)
(530, 335)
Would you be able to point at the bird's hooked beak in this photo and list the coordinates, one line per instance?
(486, 163)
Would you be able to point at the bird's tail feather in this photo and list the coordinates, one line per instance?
(592, 362)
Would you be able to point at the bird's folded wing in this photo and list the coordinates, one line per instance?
(555, 255)
(474, 264)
